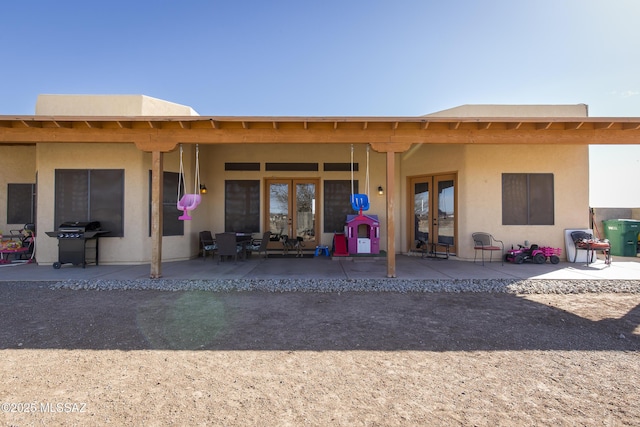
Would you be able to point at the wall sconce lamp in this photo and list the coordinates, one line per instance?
(203, 189)
(380, 190)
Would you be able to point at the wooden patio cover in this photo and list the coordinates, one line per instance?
(389, 135)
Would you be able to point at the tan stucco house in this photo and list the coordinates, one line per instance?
(520, 172)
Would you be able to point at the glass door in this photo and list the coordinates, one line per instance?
(292, 206)
(444, 223)
(421, 222)
(433, 210)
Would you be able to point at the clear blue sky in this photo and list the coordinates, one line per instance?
(325, 58)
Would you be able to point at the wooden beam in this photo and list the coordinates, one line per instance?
(391, 232)
(302, 131)
(630, 126)
(32, 124)
(61, 124)
(604, 125)
(384, 139)
(573, 125)
(157, 168)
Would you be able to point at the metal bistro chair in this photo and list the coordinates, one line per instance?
(486, 242)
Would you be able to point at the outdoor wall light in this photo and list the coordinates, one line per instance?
(203, 189)
(380, 190)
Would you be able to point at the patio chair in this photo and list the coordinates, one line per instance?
(23, 250)
(486, 242)
(207, 244)
(227, 246)
(260, 245)
(585, 241)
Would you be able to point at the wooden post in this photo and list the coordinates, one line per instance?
(391, 234)
(156, 214)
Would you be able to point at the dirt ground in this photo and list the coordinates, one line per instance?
(200, 358)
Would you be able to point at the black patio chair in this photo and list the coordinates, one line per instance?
(207, 244)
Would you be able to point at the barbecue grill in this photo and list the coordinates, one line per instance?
(72, 242)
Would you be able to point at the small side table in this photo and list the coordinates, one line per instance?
(433, 253)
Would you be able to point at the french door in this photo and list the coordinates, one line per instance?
(292, 206)
(433, 210)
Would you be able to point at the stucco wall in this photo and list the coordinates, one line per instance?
(213, 174)
(501, 110)
(108, 105)
(569, 165)
(480, 169)
(18, 166)
(134, 247)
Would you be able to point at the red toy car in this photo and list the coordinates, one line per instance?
(534, 253)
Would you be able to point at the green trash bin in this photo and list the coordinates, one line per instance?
(623, 236)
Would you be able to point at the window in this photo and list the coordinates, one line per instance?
(242, 166)
(21, 203)
(242, 206)
(340, 167)
(90, 195)
(337, 204)
(171, 225)
(288, 167)
(527, 199)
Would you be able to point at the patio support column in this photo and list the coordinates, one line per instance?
(156, 214)
(391, 234)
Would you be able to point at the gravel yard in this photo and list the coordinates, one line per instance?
(349, 353)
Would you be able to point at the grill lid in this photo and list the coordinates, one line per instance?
(79, 226)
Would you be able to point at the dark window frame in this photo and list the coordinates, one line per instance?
(291, 167)
(242, 166)
(171, 225)
(336, 204)
(90, 195)
(528, 199)
(341, 167)
(242, 205)
(21, 203)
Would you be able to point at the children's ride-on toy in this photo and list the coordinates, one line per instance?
(534, 253)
